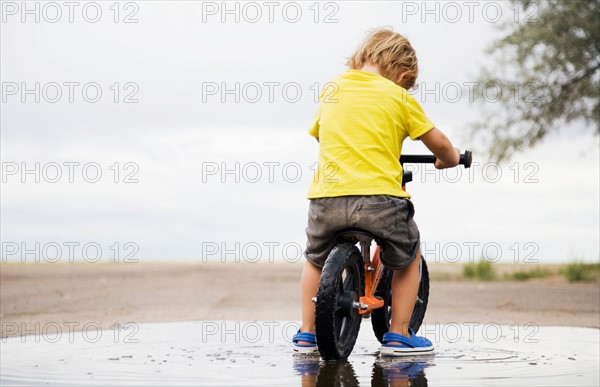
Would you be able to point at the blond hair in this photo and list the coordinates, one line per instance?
(389, 51)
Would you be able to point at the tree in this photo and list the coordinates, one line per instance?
(546, 75)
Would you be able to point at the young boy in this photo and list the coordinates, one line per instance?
(360, 128)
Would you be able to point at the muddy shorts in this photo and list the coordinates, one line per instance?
(389, 218)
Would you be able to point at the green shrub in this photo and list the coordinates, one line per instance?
(469, 270)
(581, 272)
(538, 272)
(482, 270)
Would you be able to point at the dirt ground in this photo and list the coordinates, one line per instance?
(106, 294)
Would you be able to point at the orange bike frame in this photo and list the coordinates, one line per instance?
(373, 271)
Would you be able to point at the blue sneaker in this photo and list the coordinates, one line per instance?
(409, 346)
(306, 349)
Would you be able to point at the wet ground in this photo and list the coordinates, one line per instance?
(258, 353)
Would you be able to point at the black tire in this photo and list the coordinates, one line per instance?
(337, 322)
(380, 318)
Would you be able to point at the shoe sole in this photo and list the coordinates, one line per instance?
(395, 351)
(306, 350)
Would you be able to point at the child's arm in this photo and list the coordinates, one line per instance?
(447, 156)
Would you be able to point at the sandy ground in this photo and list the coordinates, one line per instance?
(106, 294)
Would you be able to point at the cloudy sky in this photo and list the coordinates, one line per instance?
(162, 131)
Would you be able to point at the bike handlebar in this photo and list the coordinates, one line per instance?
(465, 159)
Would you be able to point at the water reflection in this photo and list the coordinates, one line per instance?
(386, 372)
(400, 372)
(314, 372)
(185, 354)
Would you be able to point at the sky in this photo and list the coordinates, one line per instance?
(177, 131)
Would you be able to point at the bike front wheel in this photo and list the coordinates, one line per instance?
(337, 320)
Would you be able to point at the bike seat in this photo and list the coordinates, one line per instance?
(355, 235)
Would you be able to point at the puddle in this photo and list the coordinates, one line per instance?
(258, 353)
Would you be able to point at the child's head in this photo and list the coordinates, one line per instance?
(392, 53)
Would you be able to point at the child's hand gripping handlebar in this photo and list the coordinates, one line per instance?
(465, 159)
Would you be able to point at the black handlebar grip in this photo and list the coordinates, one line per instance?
(466, 159)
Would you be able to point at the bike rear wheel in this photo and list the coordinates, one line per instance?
(381, 318)
(337, 320)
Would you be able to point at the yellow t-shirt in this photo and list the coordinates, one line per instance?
(362, 120)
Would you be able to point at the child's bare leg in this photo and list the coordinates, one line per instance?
(309, 284)
(405, 288)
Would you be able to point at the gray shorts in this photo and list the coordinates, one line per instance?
(390, 218)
